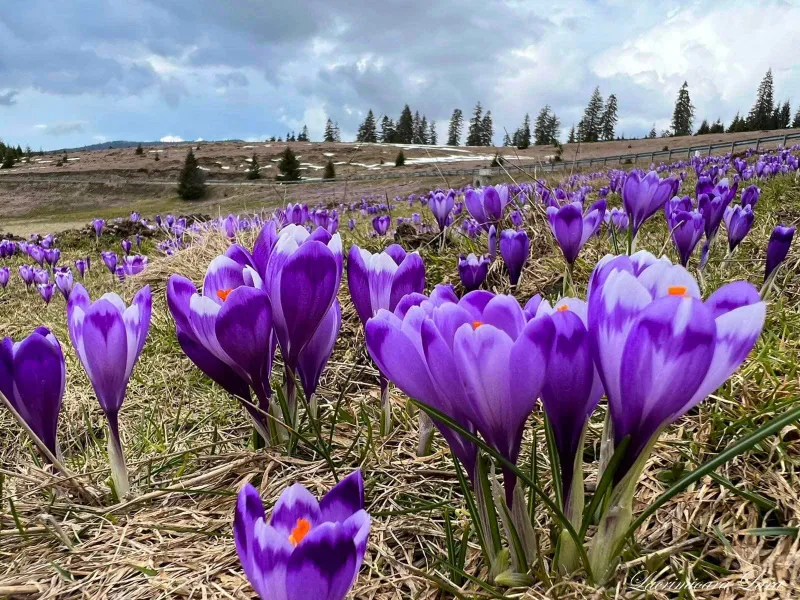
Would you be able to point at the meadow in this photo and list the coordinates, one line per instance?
(714, 506)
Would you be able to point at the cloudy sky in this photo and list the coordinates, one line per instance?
(98, 70)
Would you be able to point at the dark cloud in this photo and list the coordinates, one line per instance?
(233, 79)
(8, 98)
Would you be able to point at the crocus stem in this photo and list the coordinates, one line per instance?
(386, 406)
(631, 240)
(119, 472)
(291, 395)
(767, 287)
(725, 260)
(312, 406)
(568, 559)
(425, 434)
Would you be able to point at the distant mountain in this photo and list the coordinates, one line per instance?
(127, 144)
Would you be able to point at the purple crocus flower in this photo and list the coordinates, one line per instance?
(617, 219)
(138, 239)
(738, 221)
(486, 205)
(308, 549)
(230, 225)
(126, 246)
(516, 218)
(134, 217)
(686, 228)
(36, 253)
(133, 265)
(571, 228)
(713, 210)
(677, 203)
(5, 275)
(52, 256)
(110, 260)
(98, 225)
(476, 360)
(45, 291)
(514, 248)
(64, 283)
(643, 195)
(81, 265)
(26, 274)
(40, 276)
(441, 205)
(381, 224)
(32, 376)
(317, 352)
(108, 338)
(47, 241)
(750, 196)
(779, 243)
(492, 243)
(472, 271)
(351, 224)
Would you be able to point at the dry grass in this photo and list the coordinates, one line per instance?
(188, 448)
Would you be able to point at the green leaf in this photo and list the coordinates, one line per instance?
(773, 531)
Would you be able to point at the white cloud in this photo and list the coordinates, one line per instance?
(58, 129)
(171, 138)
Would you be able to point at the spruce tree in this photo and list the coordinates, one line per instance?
(609, 119)
(433, 137)
(475, 131)
(8, 160)
(507, 139)
(423, 130)
(589, 126)
(796, 121)
(254, 171)
(404, 130)
(454, 130)
(734, 126)
(487, 130)
(400, 160)
(289, 166)
(683, 115)
(303, 137)
(416, 127)
(191, 181)
(330, 171)
(703, 129)
(523, 135)
(139, 150)
(717, 127)
(760, 116)
(388, 134)
(785, 115)
(541, 136)
(571, 137)
(337, 134)
(367, 131)
(652, 135)
(330, 133)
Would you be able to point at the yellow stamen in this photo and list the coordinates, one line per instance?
(223, 294)
(677, 290)
(563, 308)
(299, 532)
(476, 324)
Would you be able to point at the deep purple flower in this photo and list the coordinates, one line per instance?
(230, 225)
(108, 338)
(516, 218)
(643, 195)
(5, 275)
(98, 225)
(514, 248)
(713, 210)
(64, 283)
(750, 196)
(571, 228)
(133, 265)
(134, 217)
(659, 349)
(36, 253)
(441, 205)
(351, 224)
(318, 350)
(677, 203)
(472, 271)
(81, 265)
(476, 360)
(32, 376)
(138, 239)
(120, 273)
(686, 228)
(738, 221)
(779, 243)
(126, 246)
(381, 224)
(110, 260)
(308, 549)
(52, 256)
(40, 276)
(617, 219)
(492, 243)
(486, 205)
(27, 274)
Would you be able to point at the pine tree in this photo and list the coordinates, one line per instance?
(388, 134)
(8, 160)
(541, 133)
(416, 126)
(589, 126)
(522, 136)
(796, 121)
(191, 181)
(571, 137)
(139, 150)
(330, 171)
(289, 166)
(454, 130)
(423, 130)
(734, 126)
(683, 115)
(717, 127)
(785, 115)
(330, 133)
(760, 116)
(337, 134)
(303, 137)
(400, 160)
(433, 137)
(254, 171)
(507, 139)
(487, 130)
(474, 133)
(652, 134)
(405, 127)
(367, 131)
(609, 119)
(703, 129)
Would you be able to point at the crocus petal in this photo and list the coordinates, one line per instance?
(295, 502)
(105, 346)
(223, 274)
(315, 355)
(409, 278)
(344, 499)
(249, 509)
(323, 566)
(243, 329)
(358, 282)
(271, 554)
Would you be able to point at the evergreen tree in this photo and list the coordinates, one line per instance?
(735, 125)
(761, 115)
(330, 132)
(330, 171)
(289, 166)
(139, 150)
(423, 130)
(8, 160)
(522, 136)
(367, 131)
(303, 137)
(400, 160)
(191, 181)
(254, 171)
(717, 127)
(337, 134)
(475, 131)
(652, 134)
(388, 134)
(571, 137)
(683, 115)
(541, 128)
(454, 130)
(796, 121)
(433, 138)
(487, 130)
(272, 138)
(703, 129)
(589, 127)
(507, 139)
(784, 116)
(609, 119)
(404, 130)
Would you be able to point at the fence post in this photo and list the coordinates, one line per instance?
(652, 156)
(758, 143)
(709, 150)
(689, 153)
(605, 161)
(785, 136)
(669, 158)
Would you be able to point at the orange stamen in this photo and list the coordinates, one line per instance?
(563, 308)
(223, 294)
(677, 290)
(476, 324)
(299, 532)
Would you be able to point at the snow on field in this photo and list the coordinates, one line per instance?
(448, 159)
(267, 145)
(78, 158)
(343, 162)
(204, 168)
(154, 151)
(248, 160)
(225, 168)
(275, 159)
(328, 154)
(370, 167)
(310, 166)
(248, 147)
(44, 161)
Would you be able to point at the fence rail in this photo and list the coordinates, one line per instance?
(537, 167)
